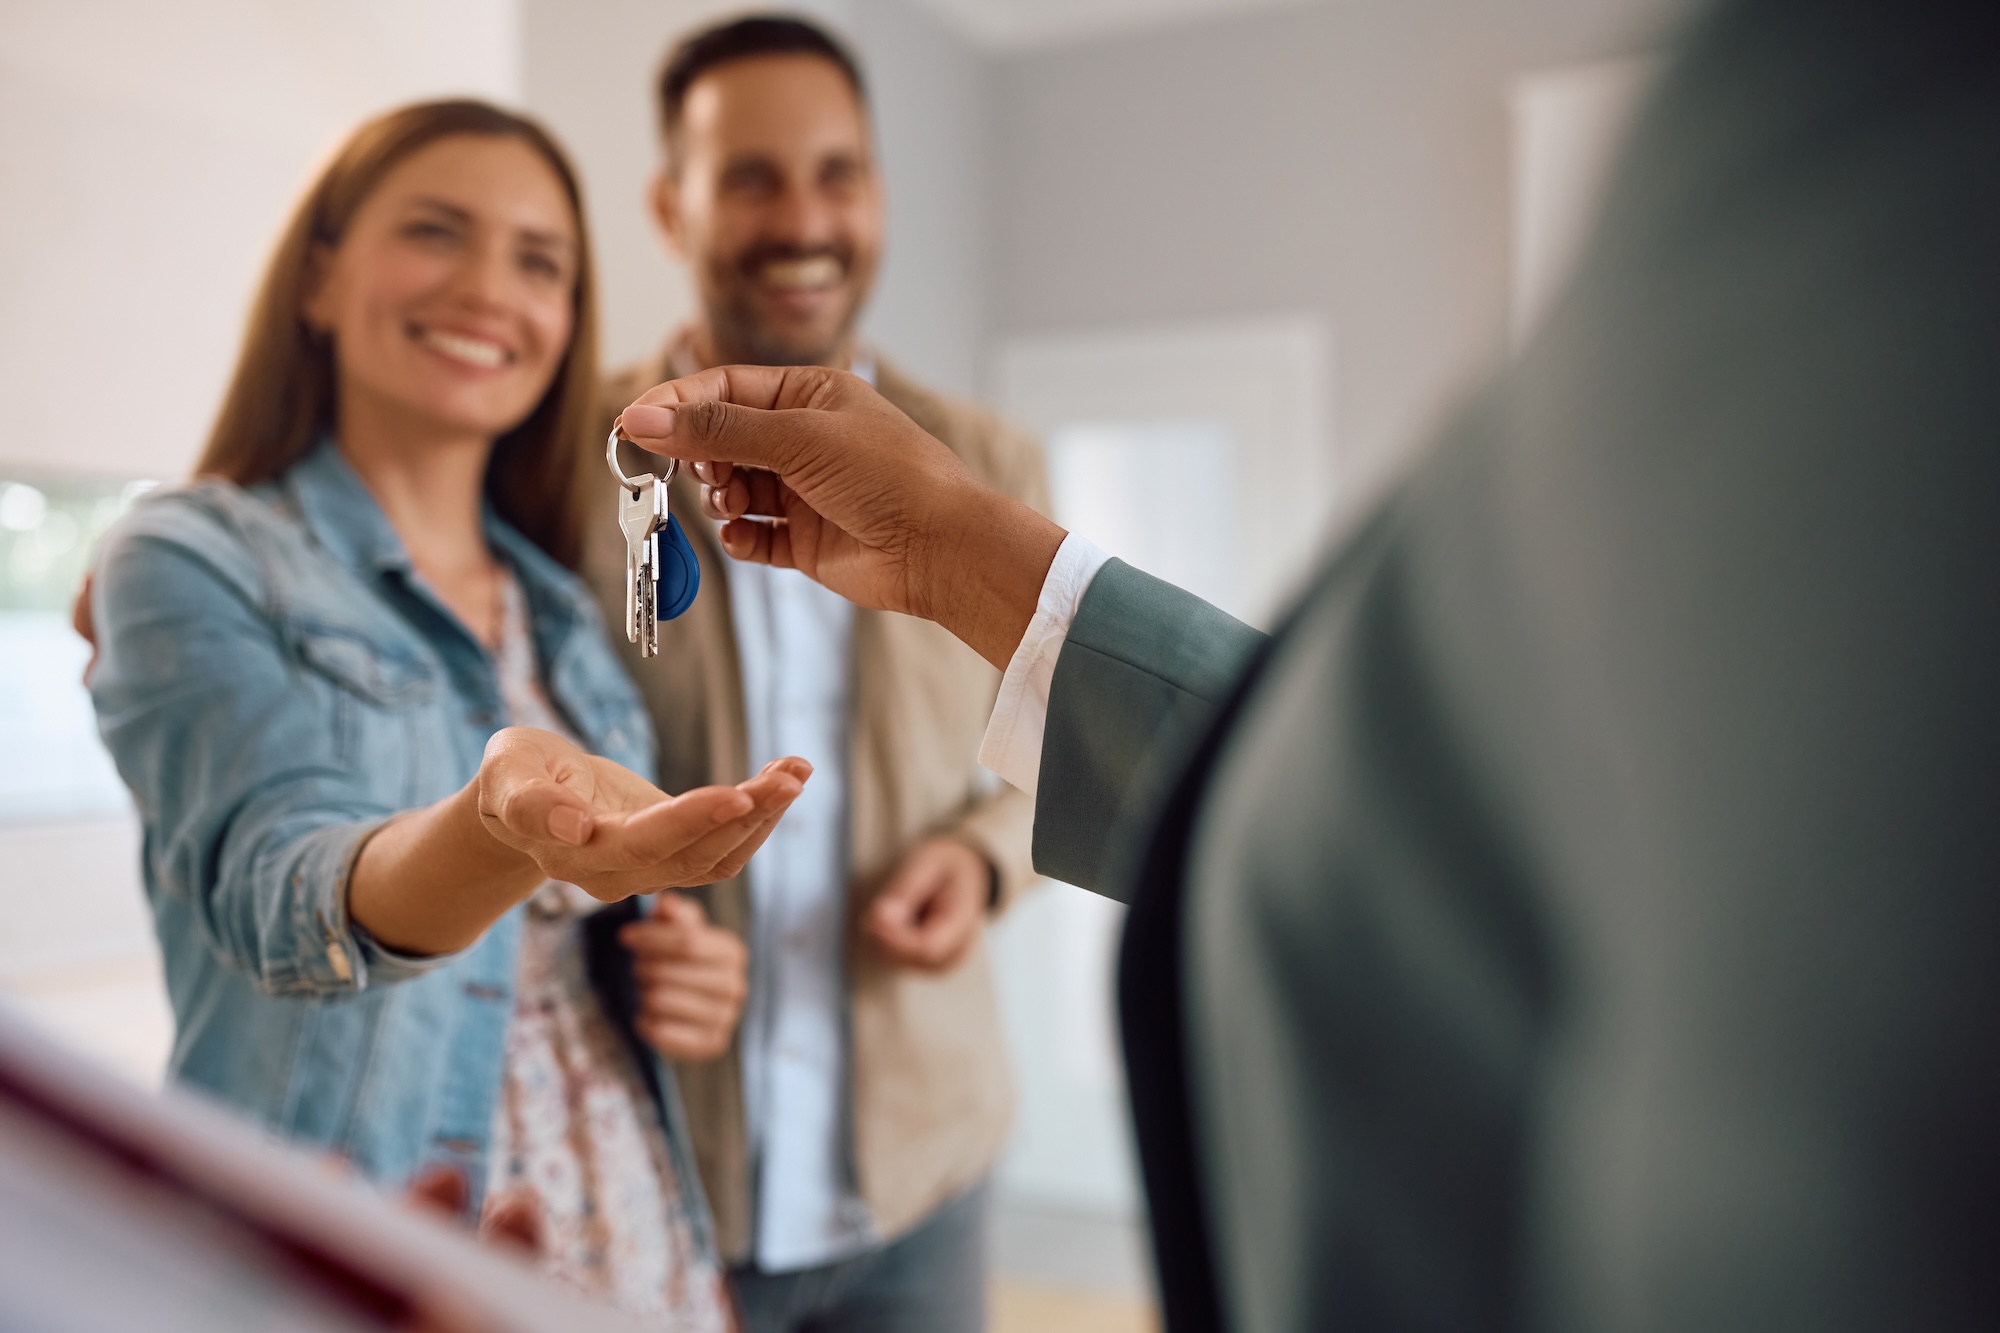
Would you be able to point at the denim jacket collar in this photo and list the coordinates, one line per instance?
(343, 516)
(341, 513)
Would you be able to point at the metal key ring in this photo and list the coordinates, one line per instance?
(630, 483)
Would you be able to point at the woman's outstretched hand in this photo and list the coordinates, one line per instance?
(431, 881)
(811, 469)
(585, 820)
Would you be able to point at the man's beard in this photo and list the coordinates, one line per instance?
(741, 336)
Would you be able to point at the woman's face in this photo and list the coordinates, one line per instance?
(450, 298)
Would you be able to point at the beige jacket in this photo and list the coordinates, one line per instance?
(932, 1096)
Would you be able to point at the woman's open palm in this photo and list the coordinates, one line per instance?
(595, 824)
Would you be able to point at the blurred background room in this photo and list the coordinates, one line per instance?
(1184, 241)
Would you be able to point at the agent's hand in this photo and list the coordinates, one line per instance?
(930, 912)
(811, 469)
(599, 826)
(692, 977)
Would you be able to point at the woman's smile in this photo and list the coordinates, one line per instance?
(471, 350)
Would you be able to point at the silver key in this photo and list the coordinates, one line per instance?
(642, 517)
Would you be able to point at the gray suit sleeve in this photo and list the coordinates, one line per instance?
(1144, 667)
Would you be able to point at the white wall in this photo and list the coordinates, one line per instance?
(147, 154)
(1348, 157)
(933, 103)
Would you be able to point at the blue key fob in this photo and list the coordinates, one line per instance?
(680, 572)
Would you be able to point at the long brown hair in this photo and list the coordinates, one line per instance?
(281, 395)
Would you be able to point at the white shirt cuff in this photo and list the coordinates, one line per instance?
(1013, 743)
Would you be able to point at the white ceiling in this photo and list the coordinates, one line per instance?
(1013, 25)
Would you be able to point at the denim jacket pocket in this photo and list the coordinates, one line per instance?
(384, 709)
(388, 676)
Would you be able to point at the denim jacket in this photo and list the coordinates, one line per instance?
(274, 684)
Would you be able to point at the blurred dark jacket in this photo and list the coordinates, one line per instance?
(1584, 914)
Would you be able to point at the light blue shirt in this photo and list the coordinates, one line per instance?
(793, 641)
(792, 638)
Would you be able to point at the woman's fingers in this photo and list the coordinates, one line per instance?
(732, 862)
(688, 839)
(686, 1041)
(690, 1004)
(670, 829)
(536, 788)
(723, 853)
(542, 812)
(674, 842)
(718, 972)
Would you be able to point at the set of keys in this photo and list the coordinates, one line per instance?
(643, 519)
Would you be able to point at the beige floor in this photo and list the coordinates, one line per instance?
(1019, 1308)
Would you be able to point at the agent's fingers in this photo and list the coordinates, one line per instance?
(763, 387)
(747, 491)
(726, 500)
(727, 413)
(756, 542)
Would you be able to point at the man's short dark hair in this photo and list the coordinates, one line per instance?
(743, 39)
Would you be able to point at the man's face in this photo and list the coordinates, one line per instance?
(774, 203)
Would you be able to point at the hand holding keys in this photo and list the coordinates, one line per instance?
(644, 521)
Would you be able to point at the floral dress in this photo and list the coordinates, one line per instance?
(574, 1122)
